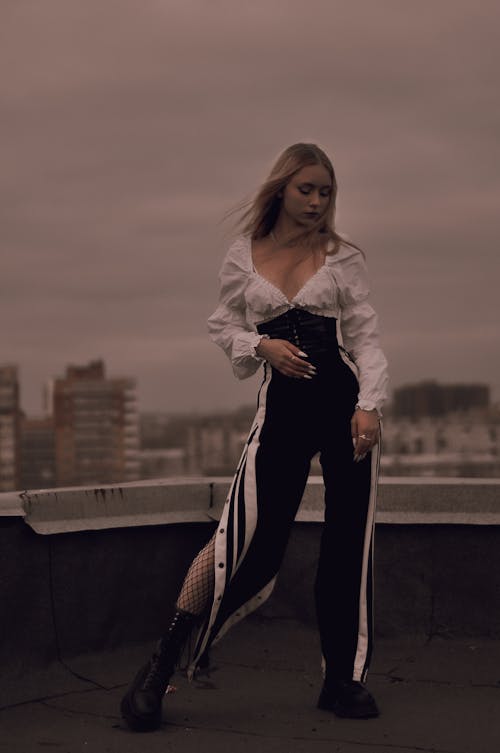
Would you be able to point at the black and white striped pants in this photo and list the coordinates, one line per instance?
(295, 419)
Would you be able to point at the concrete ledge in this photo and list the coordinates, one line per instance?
(470, 501)
(109, 566)
(12, 505)
(134, 504)
(401, 501)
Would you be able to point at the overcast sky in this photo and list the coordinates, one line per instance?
(128, 130)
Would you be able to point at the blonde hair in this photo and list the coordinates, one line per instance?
(262, 211)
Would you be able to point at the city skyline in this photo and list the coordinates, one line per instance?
(225, 407)
(119, 165)
(93, 433)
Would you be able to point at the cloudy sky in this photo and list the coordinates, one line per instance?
(129, 129)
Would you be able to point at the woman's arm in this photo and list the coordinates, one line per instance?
(228, 326)
(360, 333)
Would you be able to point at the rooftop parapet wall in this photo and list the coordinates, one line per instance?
(450, 501)
(108, 567)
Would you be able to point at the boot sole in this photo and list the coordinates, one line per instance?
(349, 714)
(139, 723)
(345, 713)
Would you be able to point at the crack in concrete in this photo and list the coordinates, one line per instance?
(439, 683)
(314, 738)
(257, 667)
(369, 745)
(71, 713)
(389, 675)
(74, 712)
(66, 694)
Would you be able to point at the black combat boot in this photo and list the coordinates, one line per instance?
(141, 705)
(347, 698)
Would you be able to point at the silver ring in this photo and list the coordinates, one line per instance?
(292, 358)
(364, 436)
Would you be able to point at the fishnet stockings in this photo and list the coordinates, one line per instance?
(198, 587)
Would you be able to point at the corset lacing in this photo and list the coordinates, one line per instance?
(315, 335)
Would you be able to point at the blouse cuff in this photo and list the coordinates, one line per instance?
(254, 344)
(368, 405)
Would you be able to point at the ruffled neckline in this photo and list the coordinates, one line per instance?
(289, 301)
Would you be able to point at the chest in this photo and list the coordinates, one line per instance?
(287, 269)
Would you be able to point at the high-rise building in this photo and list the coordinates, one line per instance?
(9, 428)
(37, 453)
(433, 399)
(96, 426)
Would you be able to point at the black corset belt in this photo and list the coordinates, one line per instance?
(315, 335)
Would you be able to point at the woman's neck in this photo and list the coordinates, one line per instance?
(283, 233)
(283, 229)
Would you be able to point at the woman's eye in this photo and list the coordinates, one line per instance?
(306, 191)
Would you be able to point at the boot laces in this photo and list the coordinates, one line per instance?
(163, 660)
(157, 674)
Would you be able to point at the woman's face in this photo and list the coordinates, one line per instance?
(307, 195)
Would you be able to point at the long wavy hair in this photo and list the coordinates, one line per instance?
(261, 212)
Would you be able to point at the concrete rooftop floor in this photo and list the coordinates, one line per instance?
(442, 696)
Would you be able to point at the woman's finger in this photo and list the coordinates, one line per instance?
(298, 365)
(291, 360)
(363, 444)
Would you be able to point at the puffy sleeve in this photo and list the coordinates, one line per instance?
(228, 326)
(360, 331)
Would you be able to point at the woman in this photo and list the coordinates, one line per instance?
(285, 284)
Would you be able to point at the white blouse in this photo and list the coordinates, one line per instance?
(338, 289)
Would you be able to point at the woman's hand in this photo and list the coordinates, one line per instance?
(286, 358)
(365, 431)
